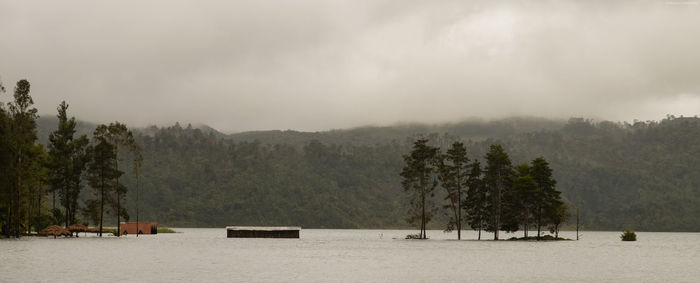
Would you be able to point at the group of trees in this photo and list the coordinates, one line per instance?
(501, 197)
(31, 176)
(21, 161)
(618, 176)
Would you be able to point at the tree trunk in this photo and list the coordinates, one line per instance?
(29, 216)
(497, 209)
(65, 206)
(577, 224)
(422, 221)
(102, 199)
(119, 232)
(539, 222)
(17, 196)
(137, 201)
(119, 208)
(38, 205)
(459, 208)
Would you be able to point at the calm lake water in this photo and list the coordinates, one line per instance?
(206, 255)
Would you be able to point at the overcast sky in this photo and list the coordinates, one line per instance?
(316, 65)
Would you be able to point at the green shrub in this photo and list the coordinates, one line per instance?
(110, 230)
(628, 235)
(165, 230)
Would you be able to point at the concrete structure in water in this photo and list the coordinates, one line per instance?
(262, 232)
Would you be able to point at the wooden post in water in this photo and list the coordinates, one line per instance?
(577, 223)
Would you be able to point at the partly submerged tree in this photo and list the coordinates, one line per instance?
(67, 162)
(5, 161)
(476, 202)
(453, 175)
(91, 211)
(120, 137)
(102, 175)
(498, 178)
(524, 197)
(137, 162)
(79, 161)
(558, 215)
(21, 157)
(419, 181)
(549, 197)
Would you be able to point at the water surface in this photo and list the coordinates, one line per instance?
(206, 255)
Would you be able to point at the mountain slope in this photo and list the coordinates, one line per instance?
(642, 176)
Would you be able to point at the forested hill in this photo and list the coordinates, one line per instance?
(643, 176)
(475, 129)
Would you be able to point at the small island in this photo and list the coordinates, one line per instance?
(497, 197)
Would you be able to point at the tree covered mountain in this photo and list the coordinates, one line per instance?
(643, 175)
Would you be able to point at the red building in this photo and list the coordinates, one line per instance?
(143, 228)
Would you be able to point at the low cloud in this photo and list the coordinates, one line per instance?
(315, 65)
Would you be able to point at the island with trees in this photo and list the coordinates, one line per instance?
(501, 197)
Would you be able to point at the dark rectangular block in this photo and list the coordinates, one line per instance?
(262, 232)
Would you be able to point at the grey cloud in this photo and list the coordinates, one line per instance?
(314, 65)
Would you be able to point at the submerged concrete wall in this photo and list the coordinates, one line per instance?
(262, 232)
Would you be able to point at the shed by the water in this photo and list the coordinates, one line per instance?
(143, 228)
(262, 232)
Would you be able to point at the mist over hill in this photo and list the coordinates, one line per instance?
(641, 175)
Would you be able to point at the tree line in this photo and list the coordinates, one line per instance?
(621, 176)
(618, 176)
(32, 175)
(498, 197)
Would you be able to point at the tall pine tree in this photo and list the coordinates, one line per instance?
(550, 197)
(22, 157)
(102, 176)
(67, 163)
(419, 181)
(476, 202)
(454, 173)
(498, 178)
(120, 137)
(524, 197)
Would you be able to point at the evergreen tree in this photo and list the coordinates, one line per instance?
(91, 211)
(5, 161)
(550, 197)
(102, 175)
(477, 198)
(454, 173)
(119, 136)
(419, 181)
(67, 162)
(498, 178)
(22, 156)
(556, 216)
(36, 183)
(137, 162)
(524, 197)
(79, 161)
